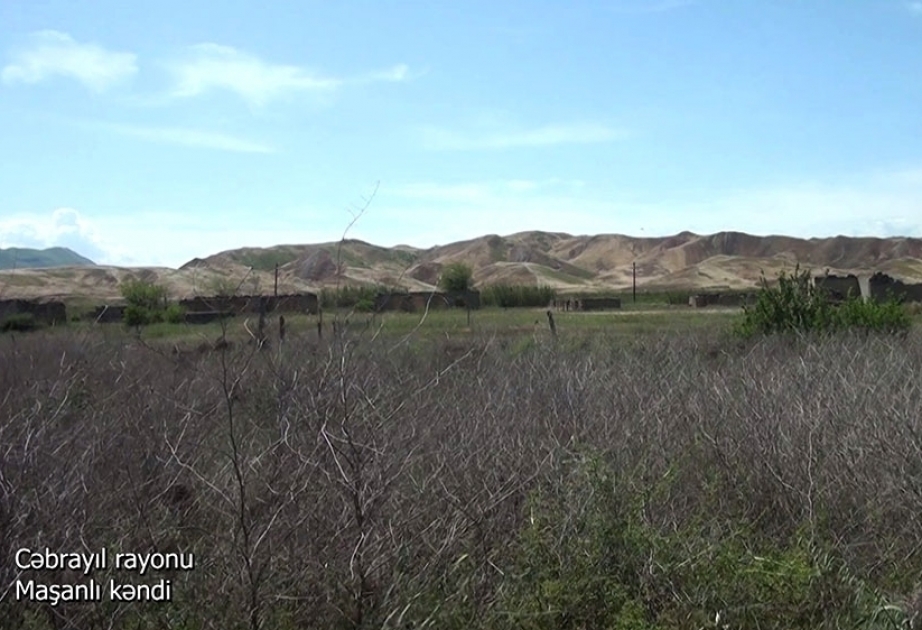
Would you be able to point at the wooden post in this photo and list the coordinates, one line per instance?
(281, 328)
(276, 280)
(550, 320)
(319, 323)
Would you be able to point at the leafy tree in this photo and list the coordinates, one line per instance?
(147, 304)
(456, 277)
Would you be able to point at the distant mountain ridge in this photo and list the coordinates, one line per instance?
(27, 258)
(568, 263)
(588, 262)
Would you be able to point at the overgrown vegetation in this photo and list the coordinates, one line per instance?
(516, 295)
(146, 303)
(456, 278)
(19, 322)
(797, 305)
(362, 298)
(360, 481)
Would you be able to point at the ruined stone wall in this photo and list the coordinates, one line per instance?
(882, 287)
(240, 304)
(599, 303)
(418, 301)
(703, 299)
(839, 287)
(49, 313)
(108, 314)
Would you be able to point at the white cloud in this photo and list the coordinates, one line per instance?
(64, 227)
(548, 135)
(189, 138)
(172, 238)
(212, 66)
(52, 53)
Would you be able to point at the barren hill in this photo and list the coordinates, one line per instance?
(566, 262)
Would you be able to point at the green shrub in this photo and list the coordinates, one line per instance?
(456, 277)
(138, 316)
(365, 305)
(19, 322)
(174, 314)
(144, 294)
(589, 556)
(889, 317)
(348, 297)
(147, 304)
(797, 305)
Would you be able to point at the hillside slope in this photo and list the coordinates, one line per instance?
(582, 263)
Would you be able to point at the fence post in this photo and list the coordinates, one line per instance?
(550, 320)
(281, 328)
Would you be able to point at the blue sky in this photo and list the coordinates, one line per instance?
(149, 133)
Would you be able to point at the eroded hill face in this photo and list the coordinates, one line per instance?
(569, 263)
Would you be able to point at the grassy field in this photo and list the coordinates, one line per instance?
(643, 318)
(642, 470)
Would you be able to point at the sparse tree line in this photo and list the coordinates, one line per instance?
(813, 304)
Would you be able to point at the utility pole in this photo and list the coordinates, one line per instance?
(634, 281)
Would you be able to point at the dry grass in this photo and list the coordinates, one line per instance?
(417, 482)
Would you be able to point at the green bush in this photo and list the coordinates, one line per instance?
(19, 322)
(590, 557)
(797, 305)
(144, 294)
(365, 305)
(456, 277)
(174, 314)
(138, 316)
(348, 297)
(579, 558)
(147, 304)
(513, 295)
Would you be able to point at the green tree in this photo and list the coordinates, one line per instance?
(456, 277)
(146, 303)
